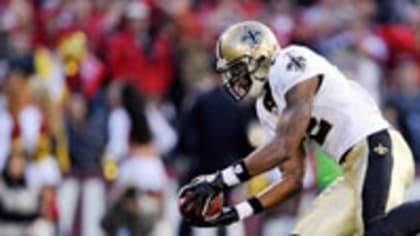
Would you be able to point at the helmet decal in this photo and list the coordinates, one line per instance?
(251, 36)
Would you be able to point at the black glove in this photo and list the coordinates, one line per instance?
(228, 216)
(201, 189)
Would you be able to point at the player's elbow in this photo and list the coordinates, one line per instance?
(281, 148)
(297, 184)
(294, 173)
(291, 146)
(278, 150)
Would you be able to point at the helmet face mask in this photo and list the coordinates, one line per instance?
(244, 55)
(239, 76)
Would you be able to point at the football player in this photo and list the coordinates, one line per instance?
(301, 97)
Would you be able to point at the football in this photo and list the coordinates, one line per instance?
(214, 209)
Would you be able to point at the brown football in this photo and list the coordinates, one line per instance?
(214, 209)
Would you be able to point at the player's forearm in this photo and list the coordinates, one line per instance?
(259, 161)
(290, 130)
(273, 195)
(280, 191)
(266, 157)
(293, 171)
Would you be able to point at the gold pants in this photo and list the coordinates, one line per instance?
(338, 209)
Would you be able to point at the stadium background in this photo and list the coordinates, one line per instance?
(107, 106)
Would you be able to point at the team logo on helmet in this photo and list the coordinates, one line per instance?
(251, 36)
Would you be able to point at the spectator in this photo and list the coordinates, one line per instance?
(135, 56)
(402, 38)
(84, 72)
(126, 216)
(20, 204)
(359, 52)
(163, 135)
(211, 141)
(118, 126)
(86, 133)
(282, 22)
(405, 100)
(86, 136)
(143, 167)
(27, 122)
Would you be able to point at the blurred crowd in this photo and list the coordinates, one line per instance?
(106, 106)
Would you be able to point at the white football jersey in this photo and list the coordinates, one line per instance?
(343, 113)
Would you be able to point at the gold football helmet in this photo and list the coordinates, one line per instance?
(245, 52)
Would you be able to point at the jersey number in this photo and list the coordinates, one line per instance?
(318, 129)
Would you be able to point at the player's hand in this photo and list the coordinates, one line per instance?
(200, 190)
(228, 216)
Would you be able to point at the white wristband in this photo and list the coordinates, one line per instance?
(229, 177)
(244, 210)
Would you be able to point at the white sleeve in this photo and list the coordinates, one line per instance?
(293, 66)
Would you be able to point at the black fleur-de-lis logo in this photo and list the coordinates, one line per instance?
(251, 36)
(296, 63)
